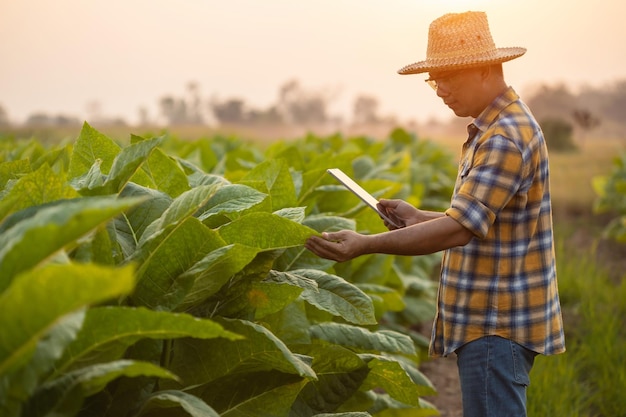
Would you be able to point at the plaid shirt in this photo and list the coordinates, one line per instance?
(503, 282)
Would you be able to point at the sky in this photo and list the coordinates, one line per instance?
(62, 56)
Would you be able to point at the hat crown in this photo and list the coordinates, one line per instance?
(459, 34)
(461, 40)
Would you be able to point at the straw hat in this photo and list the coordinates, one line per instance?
(461, 40)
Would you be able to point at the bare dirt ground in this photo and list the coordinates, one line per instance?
(443, 373)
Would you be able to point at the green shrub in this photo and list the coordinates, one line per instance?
(558, 135)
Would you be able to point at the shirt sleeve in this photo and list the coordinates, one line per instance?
(487, 182)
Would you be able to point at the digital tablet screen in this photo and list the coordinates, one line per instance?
(351, 185)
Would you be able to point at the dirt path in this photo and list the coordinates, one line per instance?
(443, 373)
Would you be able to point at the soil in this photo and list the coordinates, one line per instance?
(443, 373)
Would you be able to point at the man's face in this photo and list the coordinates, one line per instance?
(460, 90)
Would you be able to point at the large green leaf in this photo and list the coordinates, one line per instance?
(183, 207)
(214, 270)
(125, 165)
(31, 241)
(35, 188)
(18, 384)
(265, 231)
(260, 393)
(90, 146)
(333, 294)
(389, 376)
(30, 345)
(126, 230)
(128, 162)
(340, 373)
(166, 174)
(363, 339)
(108, 331)
(166, 400)
(165, 260)
(274, 402)
(201, 361)
(278, 182)
(13, 170)
(65, 395)
(228, 201)
(301, 258)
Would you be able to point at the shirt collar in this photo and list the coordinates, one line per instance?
(491, 112)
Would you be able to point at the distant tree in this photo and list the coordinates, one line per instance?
(144, 116)
(585, 120)
(185, 110)
(558, 134)
(231, 111)
(301, 107)
(4, 117)
(614, 107)
(174, 110)
(270, 116)
(365, 110)
(556, 102)
(44, 119)
(194, 107)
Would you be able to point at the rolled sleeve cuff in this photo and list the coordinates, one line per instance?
(471, 214)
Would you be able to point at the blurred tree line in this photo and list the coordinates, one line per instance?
(294, 105)
(560, 110)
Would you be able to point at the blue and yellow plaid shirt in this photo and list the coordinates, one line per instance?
(503, 282)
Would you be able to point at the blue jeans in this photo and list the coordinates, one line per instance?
(494, 375)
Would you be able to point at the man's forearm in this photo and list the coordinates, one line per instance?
(442, 232)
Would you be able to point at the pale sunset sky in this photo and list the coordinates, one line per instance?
(59, 56)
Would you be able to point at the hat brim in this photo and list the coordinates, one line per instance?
(499, 55)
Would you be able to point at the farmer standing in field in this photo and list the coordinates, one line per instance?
(498, 304)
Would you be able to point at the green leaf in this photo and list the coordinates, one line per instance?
(336, 296)
(28, 297)
(214, 270)
(18, 384)
(164, 400)
(127, 230)
(269, 297)
(125, 165)
(183, 207)
(389, 375)
(166, 174)
(301, 258)
(196, 361)
(231, 199)
(29, 346)
(127, 162)
(31, 241)
(35, 188)
(266, 231)
(108, 331)
(90, 146)
(276, 177)
(65, 395)
(13, 170)
(166, 259)
(274, 402)
(363, 339)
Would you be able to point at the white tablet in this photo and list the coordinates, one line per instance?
(359, 192)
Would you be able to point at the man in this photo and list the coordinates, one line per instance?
(498, 303)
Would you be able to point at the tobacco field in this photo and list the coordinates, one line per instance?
(166, 276)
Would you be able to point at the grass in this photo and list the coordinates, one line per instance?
(588, 379)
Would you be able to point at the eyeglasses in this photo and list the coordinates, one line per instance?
(450, 79)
